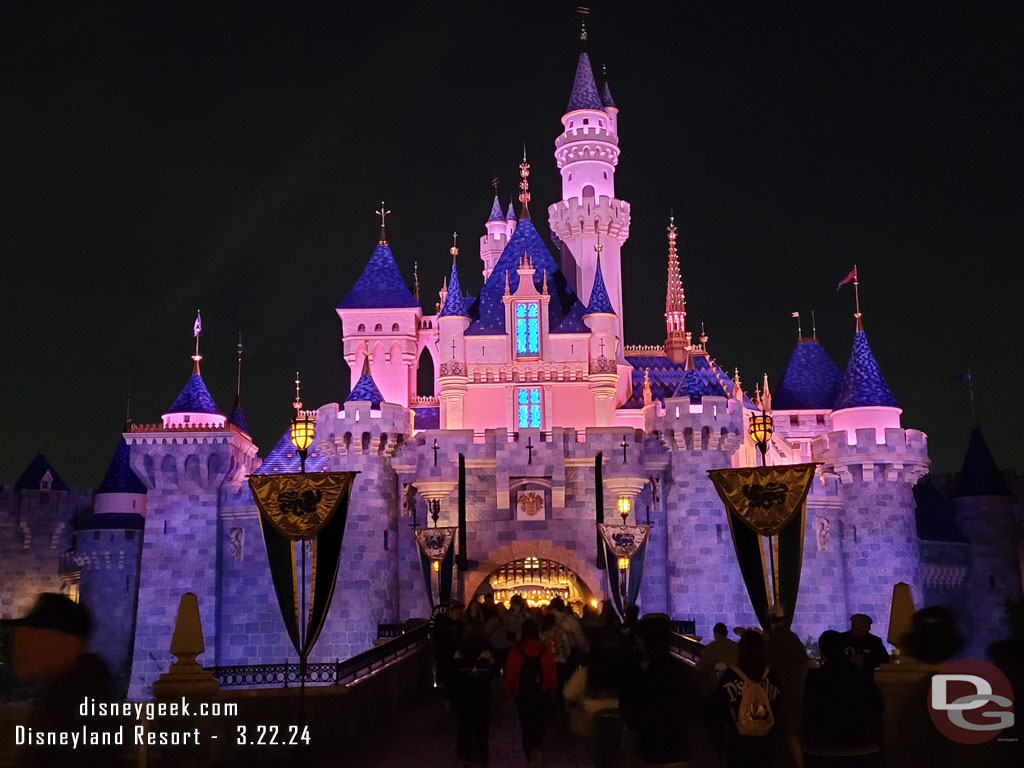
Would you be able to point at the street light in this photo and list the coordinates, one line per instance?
(302, 428)
(624, 507)
(761, 430)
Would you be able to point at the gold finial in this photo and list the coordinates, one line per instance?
(524, 186)
(383, 213)
(583, 11)
(494, 184)
(454, 250)
(598, 247)
(737, 386)
(197, 328)
(703, 336)
(416, 280)
(297, 405)
(366, 357)
(238, 383)
(544, 287)
(507, 291)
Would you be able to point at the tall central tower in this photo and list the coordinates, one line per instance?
(589, 214)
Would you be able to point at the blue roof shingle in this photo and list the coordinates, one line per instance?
(584, 89)
(705, 379)
(31, 479)
(565, 311)
(863, 384)
(380, 285)
(599, 301)
(454, 302)
(237, 416)
(120, 477)
(496, 214)
(606, 96)
(195, 398)
(365, 390)
(510, 214)
(284, 458)
(812, 380)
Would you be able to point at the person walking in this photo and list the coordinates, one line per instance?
(787, 658)
(474, 667)
(719, 654)
(531, 677)
(865, 650)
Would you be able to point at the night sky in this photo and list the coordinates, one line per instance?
(229, 157)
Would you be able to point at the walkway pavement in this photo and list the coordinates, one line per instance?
(424, 737)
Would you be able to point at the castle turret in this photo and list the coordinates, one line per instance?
(587, 152)
(510, 220)
(381, 311)
(803, 403)
(877, 463)
(600, 318)
(984, 512)
(494, 242)
(452, 322)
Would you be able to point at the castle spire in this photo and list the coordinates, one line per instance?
(197, 328)
(237, 416)
(454, 303)
(584, 88)
(524, 187)
(675, 302)
(383, 213)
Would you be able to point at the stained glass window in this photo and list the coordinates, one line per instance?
(528, 329)
(528, 407)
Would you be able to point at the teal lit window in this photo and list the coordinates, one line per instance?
(528, 329)
(528, 408)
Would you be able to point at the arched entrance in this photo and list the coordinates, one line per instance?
(586, 573)
(538, 580)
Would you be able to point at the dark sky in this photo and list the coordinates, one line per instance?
(158, 158)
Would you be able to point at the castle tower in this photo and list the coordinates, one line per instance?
(452, 322)
(877, 464)
(107, 553)
(676, 342)
(381, 311)
(984, 512)
(204, 460)
(587, 152)
(803, 404)
(600, 318)
(494, 242)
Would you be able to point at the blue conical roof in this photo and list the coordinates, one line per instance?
(980, 475)
(237, 416)
(31, 479)
(599, 301)
(283, 457)
(120, 477)
(565, 311)
(812, 380)
(510, 214)
(365, 390)
(195, 398)
(584, 89)
(863, 384)
(606, 95)
(380, 286)
(496, 214)
(454, 304)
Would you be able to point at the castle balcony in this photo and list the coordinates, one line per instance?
(583, 134)
(572, 218)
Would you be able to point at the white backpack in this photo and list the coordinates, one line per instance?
(754, 716)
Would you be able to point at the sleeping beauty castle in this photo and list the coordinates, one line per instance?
(523, 412)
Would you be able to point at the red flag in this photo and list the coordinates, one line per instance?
(848, 279)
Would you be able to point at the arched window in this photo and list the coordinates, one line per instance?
(527, 329)
(425, 374)
(394, 328)
(588, 191)
(361, 328)
(378, 327)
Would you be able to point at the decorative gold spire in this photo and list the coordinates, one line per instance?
(297, 405)
(238, 382)
(524, 186)
(583, 11)
(416, 280)
(366, 357)
(766, 395)
(544, 286)
(197, 328)
(383, 213)
(454, 250)
(647, 386)
(508, 292)
(676, 339)
(737, 385)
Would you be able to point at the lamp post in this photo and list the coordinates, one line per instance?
(761, 431)
(625, 505)
(302, 428)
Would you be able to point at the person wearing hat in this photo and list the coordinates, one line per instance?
(865, 650)
(51, 651)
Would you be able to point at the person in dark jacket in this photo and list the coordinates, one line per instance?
(474, 668)
(447, 635)
(658, 701)
(51, 650)
(531, 676)
(842, 711)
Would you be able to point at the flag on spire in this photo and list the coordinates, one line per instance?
(848, 279)
(197, 326)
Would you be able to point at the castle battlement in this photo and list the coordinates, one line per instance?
(572, 218)
(903, 456)
(714, 424)
(361, 428)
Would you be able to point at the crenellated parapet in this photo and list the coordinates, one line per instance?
(573, 218)
(360, 428)
(901, 457)
(715, 424)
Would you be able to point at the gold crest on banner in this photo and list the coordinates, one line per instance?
(764, 498)
(435, 542)
(299, 506)
(623, 540)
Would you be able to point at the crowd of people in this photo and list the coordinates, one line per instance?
(758, 700)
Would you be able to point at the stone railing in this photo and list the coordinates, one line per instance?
(644, 349)
(603, 365)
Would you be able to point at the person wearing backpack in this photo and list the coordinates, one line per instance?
(530, 676)
(745, 706)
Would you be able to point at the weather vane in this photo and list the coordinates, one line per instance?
(524, 185)
(454, 250)
(383, 213)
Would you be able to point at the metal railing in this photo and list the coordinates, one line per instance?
(686, 648)
(344, 672)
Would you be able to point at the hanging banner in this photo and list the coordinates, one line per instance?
(437, 557)
(630, 543)
(771, 502)
(306, 507)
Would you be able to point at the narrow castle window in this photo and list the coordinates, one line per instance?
(586, 121)
(394, 328)
(528, 408)
(361, 328)
(378, 327)
(528, 329)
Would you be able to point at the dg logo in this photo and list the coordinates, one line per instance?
(970, 701)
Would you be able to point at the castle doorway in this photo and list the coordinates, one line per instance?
(539, 580)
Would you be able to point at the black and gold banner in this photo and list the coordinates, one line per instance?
(300, 507)
(771, 502)
(437, 556)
